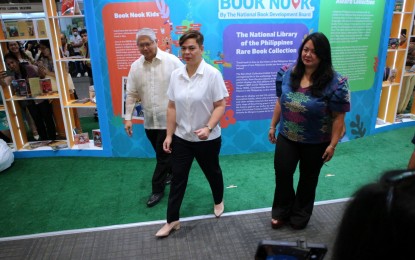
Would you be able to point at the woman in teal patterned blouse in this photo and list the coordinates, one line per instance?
(312, 102)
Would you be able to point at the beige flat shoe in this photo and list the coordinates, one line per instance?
(167, 228)
(218, 209)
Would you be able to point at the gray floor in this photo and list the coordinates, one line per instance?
(232, 236)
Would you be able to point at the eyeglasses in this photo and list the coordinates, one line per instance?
(393, 181)
(143, 45)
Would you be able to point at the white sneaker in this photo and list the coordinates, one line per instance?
(78, 75)
(86, 74)
(36, 137)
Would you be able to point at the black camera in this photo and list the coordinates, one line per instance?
(300, 250)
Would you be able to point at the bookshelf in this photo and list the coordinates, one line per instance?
(69, 104)
(397, 94)
(65, 106)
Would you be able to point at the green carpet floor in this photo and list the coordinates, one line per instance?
(52, 194)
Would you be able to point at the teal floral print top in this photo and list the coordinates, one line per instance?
(306, 118)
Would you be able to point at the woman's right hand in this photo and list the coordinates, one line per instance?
(167, 144)
(3, 74)
(3, 77)
(271, 136)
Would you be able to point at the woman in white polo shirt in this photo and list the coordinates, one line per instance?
(197, 95)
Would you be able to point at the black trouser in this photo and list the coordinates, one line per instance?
(207, 156)
(163, 165)
(79, 65)
(296, 207)
(42, 115)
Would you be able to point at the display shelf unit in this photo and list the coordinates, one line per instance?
(392, 93)
(11, 101)
(63, 100)
(68, 101)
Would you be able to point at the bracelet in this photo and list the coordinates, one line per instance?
(208, 127)
(334, 148)
(272, 127)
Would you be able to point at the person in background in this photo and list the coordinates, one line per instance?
(16, 48)
(31, 48)
(197, 95)
(378, 222)
(88, 68)
(76, 42)
(40, 110)
(45, 61)
(85, 52)
(410, 59)
(45, 64)
(148, 80)
(66, 51)
(310, 110)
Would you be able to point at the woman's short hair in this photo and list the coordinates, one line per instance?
(192, 34)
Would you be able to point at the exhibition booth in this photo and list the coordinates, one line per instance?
(373, 44)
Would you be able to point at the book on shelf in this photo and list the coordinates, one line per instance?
(392, 75)
(46, 85)
(81, 101)
(58, 145)
(34, 145)
(40, 28)
(20, 87)
(15, 87)
(55, 145)
(35, 88)
(82, 140)
(10, 29)
(18, 29)
(96, 134)
(393, 43)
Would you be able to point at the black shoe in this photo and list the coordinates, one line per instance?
(154, 199)
(168, 178)
(298, 227)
